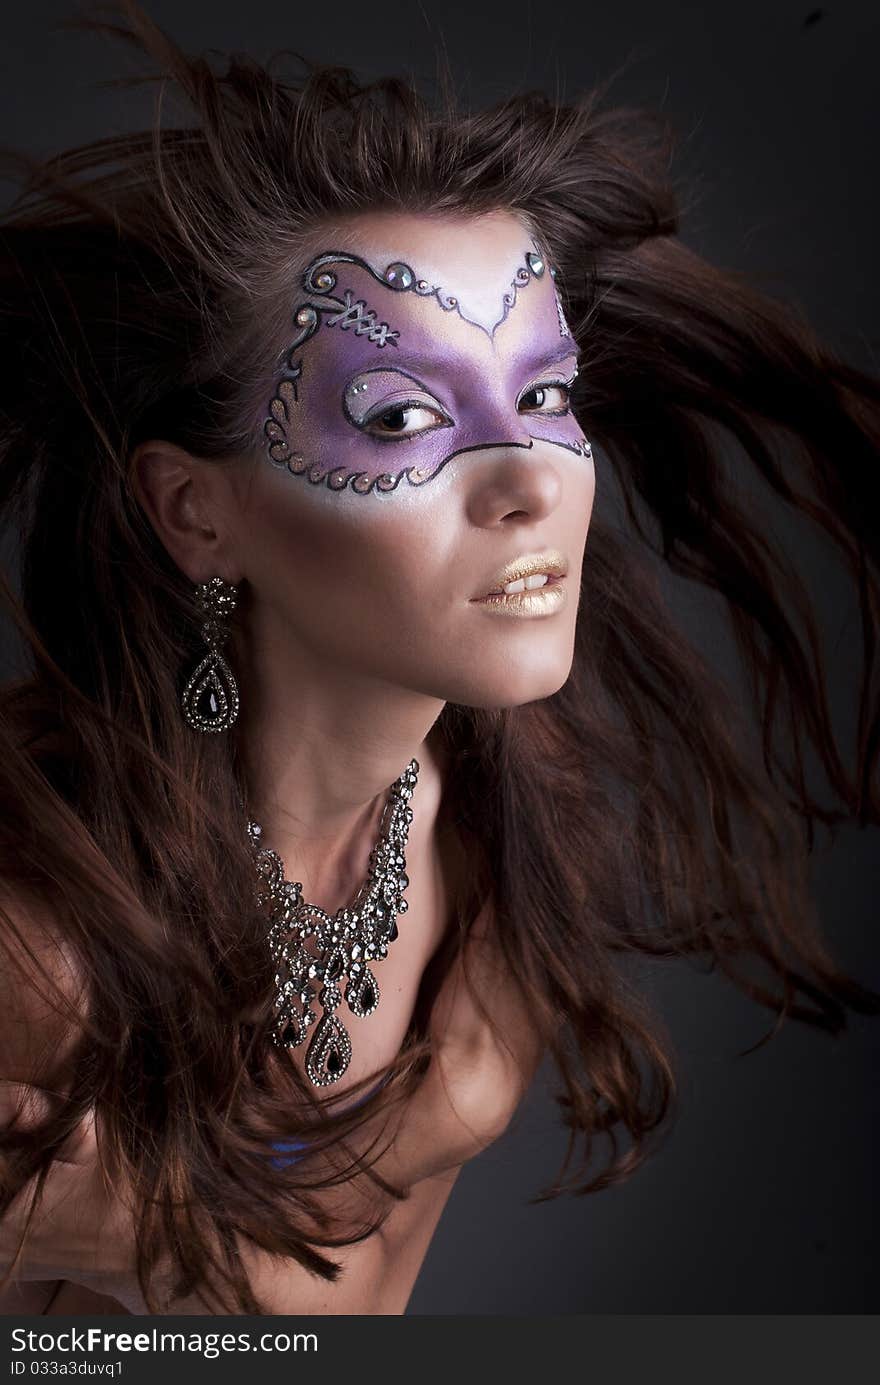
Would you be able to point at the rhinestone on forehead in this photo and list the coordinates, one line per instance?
(320, 280)
(401, 277)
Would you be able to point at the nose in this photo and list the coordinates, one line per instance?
(513, 483)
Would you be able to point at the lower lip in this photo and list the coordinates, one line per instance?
(540, 601)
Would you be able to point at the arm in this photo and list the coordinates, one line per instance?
(478, 1074)
(34, 964)
(472, 1087)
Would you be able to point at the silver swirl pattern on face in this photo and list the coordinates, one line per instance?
(405, 278)
(350, 314)
(564, 330)
(344, 943)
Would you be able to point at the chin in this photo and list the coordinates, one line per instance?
(511, 686)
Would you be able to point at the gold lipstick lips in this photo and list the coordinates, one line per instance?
(539, 599)
(550, 561)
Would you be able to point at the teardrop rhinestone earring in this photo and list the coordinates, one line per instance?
(210, 699)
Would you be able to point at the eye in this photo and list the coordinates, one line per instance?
(545, 392)
(390, 424)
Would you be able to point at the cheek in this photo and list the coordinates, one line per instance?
(591, 490)
(340, 558)
(582, 491)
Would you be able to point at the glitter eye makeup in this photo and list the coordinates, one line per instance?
(386, 421)
(564, 387)
(379, 395)
(346, 445)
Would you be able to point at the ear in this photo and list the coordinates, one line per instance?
(182, 498)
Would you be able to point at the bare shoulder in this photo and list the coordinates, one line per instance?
(41, 983)
(35, 967)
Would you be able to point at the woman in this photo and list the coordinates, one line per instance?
(350, 769)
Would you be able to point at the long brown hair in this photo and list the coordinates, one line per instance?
(143, 288)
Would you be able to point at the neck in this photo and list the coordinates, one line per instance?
(321, 754)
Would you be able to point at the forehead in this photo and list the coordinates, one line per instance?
(478, 292)
(475, 254)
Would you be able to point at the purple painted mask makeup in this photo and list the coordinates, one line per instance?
(390, 375)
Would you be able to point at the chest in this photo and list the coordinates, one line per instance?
(377, 1038)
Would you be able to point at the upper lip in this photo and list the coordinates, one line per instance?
(555, 564)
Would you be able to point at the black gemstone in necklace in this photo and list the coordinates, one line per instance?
(343, 942)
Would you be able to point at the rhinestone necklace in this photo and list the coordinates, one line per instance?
(345, 942)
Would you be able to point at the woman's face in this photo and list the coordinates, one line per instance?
(417, 443)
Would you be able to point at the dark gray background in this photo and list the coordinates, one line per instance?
(763, 1199)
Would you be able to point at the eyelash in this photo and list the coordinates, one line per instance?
(565, 385)
(554, 385)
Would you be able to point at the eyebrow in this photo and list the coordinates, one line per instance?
(528, 360)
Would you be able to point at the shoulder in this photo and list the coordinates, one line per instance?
(42, 988)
